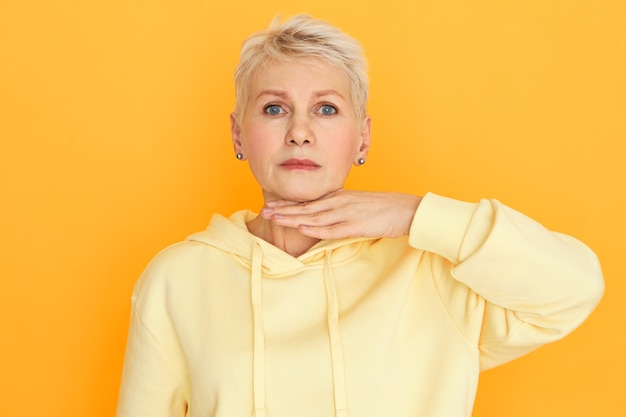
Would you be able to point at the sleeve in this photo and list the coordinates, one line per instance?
(537, 285)
(154, 378)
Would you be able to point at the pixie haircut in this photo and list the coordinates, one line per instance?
(302, 36)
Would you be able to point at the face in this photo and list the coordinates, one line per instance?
(300, 132)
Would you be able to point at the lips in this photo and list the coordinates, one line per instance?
(299, 164)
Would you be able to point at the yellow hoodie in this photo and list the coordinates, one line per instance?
(227, 325)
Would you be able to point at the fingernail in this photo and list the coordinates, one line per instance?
(271, 203)
(266, 210)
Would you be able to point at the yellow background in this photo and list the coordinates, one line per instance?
(114, 142)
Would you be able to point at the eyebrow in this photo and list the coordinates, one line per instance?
(328, 93)
(284, 95)
(277, 93)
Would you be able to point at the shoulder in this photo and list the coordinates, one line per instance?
(171, 267)
(179, 255)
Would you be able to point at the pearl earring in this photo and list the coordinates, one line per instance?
(361, 161)
(239, 156)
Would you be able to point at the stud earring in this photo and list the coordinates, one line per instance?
(239, 156)
(361, 161)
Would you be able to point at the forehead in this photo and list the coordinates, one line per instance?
(299, 76)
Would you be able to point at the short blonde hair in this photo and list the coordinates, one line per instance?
(303, 36)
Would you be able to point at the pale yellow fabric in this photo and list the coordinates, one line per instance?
(227, 325)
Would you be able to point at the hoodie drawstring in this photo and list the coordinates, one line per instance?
(256, 293)
(336, 346)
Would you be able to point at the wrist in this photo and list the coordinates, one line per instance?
(410, 205)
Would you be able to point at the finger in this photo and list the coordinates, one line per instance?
(286, 208)
(332, 231)
(302, 205)
(319, 219)
(281, 203)
(309, 210)
(271, 207)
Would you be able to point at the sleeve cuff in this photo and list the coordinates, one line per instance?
(440, 225)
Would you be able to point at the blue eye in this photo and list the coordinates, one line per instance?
(327, 110)
(273, 109)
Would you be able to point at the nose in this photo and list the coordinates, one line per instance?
(298, 141)
(300, 131)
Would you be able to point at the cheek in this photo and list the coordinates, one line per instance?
(254, 139)
(259, 150)
(258, 136)
(257, 157)
(348, 146)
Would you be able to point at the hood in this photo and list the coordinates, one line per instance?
(265, 261)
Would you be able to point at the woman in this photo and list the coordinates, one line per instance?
(332, 302)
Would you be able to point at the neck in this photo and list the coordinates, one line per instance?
(287, 239)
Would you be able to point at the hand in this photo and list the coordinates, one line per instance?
(346, 213)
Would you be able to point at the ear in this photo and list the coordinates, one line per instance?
(235, 132)
(365, 138)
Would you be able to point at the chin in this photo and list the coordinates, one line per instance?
(300, 196)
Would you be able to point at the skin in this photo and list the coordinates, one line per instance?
(301, 136)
